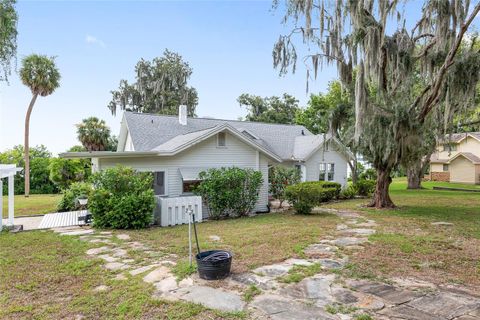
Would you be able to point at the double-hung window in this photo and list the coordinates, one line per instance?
(326, 171)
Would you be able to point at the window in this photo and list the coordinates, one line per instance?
(322, 173)
(445, 167)
(331, 171)
(159, 183)
(221, 139)
(189, 186)
(326, 172)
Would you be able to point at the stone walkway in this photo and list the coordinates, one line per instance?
(325, 295)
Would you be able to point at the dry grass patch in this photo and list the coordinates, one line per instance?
(254, 241)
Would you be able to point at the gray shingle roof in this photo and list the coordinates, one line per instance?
(149, 131)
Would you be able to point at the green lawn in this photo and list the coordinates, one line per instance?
(33, 205)
(47, 276)
(409, 245)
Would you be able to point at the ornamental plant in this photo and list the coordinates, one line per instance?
(122, 198)
(229, 192)
(280, 178)
(307, 195)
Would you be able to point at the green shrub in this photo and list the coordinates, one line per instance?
(229, 191)
(365, 187)
(368, 174)
(280, 178)
(306, 195)
(122, 198)
(77, 190)
(64, 172)
(348, 193)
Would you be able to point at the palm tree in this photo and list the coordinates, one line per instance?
(94, 134)
(41, 75)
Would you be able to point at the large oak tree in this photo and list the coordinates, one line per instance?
(402, 80)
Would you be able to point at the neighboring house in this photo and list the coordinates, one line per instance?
(177, 149)
(457, 159)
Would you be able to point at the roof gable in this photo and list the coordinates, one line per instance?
(151, 131)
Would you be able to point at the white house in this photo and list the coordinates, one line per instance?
(176, 149)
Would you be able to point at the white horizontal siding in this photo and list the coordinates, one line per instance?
(206, 154)
(327, 156)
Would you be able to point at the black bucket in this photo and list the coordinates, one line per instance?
(214, 264)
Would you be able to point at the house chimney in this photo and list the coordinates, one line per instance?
(182, 115)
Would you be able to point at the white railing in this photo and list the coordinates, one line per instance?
(174, 210)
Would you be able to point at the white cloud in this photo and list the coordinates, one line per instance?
(93, 40)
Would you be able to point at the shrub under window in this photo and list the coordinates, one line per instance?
(123, 198)
(229, 191)
(306, 195)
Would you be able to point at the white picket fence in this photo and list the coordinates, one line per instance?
(174, 210)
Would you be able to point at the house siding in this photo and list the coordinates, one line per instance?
(205, 154)
(327, 156)
(462, 170)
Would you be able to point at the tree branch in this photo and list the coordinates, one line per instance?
(432, 98)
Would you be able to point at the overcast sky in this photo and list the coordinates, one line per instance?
(227, 43)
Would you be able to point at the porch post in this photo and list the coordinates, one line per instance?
(10, 200)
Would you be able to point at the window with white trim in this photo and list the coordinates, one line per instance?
(326, 171)
(221, 139)
(323, 170)
(159, 183)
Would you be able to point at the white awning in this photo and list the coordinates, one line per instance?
(191, 174)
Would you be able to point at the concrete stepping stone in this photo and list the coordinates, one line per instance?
(330, 264)
(348, 241)
(157, 275)
(101, 288)
(166, 285)
(274, 270)
(100, 241)
(319, 250)
(77, 232)
(123, 236)
(119, 252)
(281, 308)
(137, 245)
(264, 283)
(105, 232)
(116, 266)
(406, 312)
(387, 292)
(95, 251)
(128, 260)
(187, 282)
(107, 258)
(446, 304)
(212, 298)
(143, 269)
(359, 231)
(442, 223)
(344, 296)
(120, 277)
(342, 227)
(316, 288)
(298, 262)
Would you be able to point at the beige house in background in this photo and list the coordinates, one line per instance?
(457, 159)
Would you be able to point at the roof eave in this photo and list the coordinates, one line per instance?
(106, 154)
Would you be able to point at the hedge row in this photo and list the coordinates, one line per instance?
(306, 195)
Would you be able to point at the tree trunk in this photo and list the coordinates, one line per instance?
(27, 145)
(381, 197)
(354, 168)
(415, 175)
